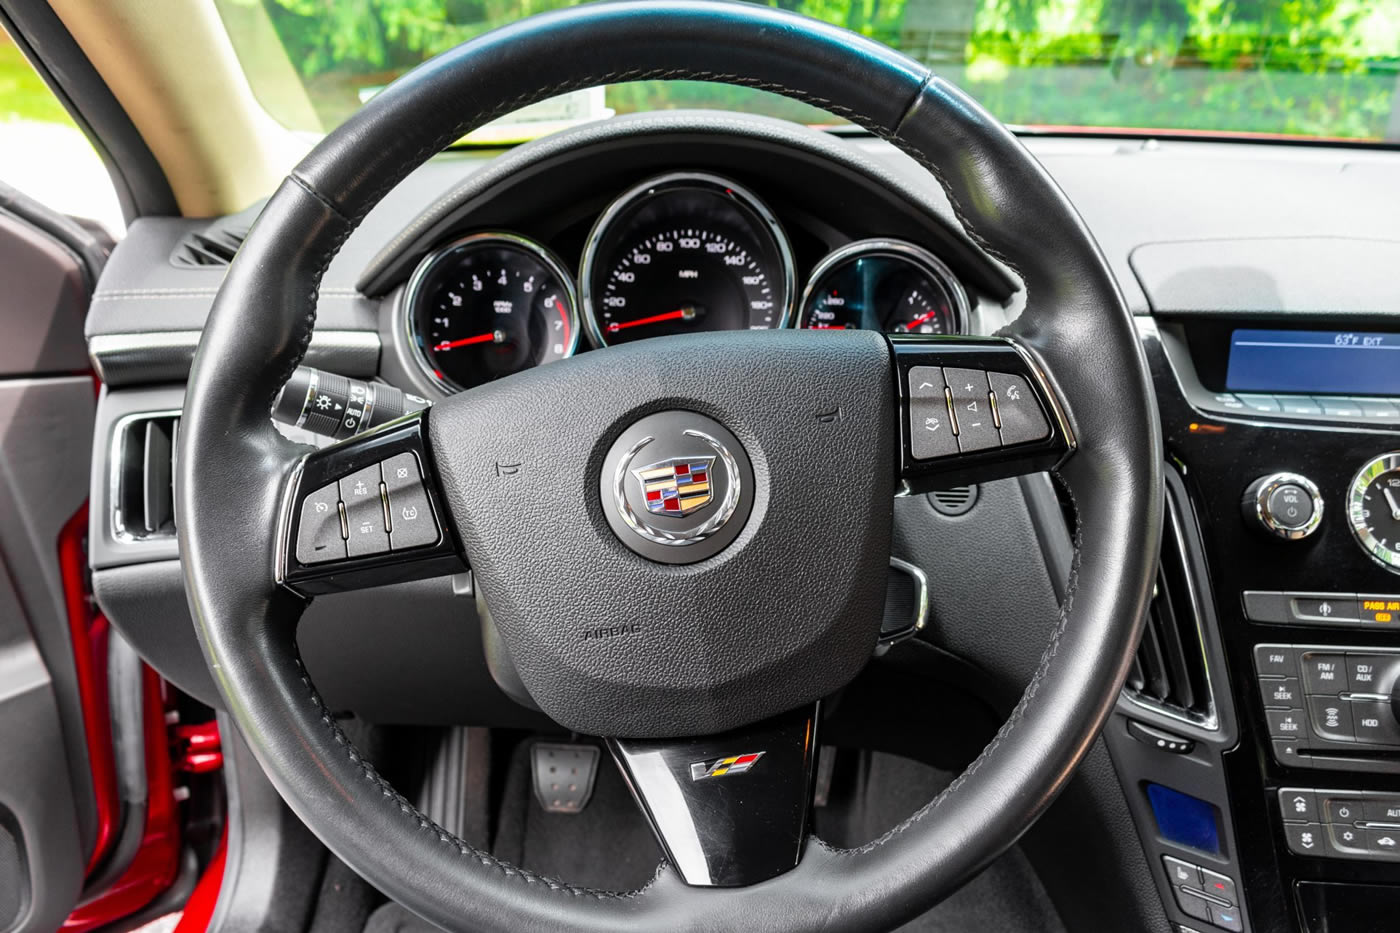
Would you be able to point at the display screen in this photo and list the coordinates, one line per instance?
(1184, 819)
(1322, 362)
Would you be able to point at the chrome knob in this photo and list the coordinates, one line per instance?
(1286, 505)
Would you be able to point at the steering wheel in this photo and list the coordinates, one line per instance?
(699, 637)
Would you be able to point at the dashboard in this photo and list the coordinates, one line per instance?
(680, 252)
(1249, 777)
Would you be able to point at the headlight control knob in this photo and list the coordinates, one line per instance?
(1285, 505)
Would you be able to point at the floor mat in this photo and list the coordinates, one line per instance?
(609, 845)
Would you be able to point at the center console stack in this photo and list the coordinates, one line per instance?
(1284, 432)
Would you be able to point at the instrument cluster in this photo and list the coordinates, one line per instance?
(680, 253)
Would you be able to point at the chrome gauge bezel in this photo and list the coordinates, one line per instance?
(915, 255)
(655, 186)
(412, 292)
(1387, 557)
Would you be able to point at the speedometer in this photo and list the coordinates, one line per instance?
(682, 253)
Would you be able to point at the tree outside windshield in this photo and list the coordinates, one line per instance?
(1314, 68)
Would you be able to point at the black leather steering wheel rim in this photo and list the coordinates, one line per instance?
(233, 465)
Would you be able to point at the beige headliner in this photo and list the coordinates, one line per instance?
(171, 66)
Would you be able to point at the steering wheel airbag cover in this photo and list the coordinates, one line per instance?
(232, 465)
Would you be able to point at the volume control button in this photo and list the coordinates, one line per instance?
(1285, 505)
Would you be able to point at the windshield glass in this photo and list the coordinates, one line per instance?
(1310, 68)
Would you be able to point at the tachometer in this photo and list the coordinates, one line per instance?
(682, 253)
(884, 285)
(489, 305)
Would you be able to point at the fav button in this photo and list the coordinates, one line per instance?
(1276, 660)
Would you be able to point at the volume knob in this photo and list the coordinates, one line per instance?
(1286, 505)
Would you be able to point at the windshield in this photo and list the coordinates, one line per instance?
(1309, 68)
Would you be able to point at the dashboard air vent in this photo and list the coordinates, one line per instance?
(214, 246)
(1169, 671)
(143, 473)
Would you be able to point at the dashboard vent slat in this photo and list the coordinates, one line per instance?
(143, 473)
(1169, 671)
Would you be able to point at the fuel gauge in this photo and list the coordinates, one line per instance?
(884, 285)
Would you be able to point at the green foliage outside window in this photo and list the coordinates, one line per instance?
(1307, 67)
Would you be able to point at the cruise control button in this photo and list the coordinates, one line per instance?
(1298, 804)
(1304, 838)
(1276, 660)
(1282, 692)
(411, 521)
(1285, 723)
(1019, 410)
(364, 513)
(1381, 809)
(1323, 673)
(1331, 718)
(318, 533)
(931, 428)
(973, 409)
(1375, 723)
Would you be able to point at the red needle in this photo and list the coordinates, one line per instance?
(466, 341)
(616, 326)
(921, 318)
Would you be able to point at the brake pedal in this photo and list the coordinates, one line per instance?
(564, 775)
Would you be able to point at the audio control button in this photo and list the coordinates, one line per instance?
(1375, 723)
(1331, 719)
(1285, 505)
(1324, 673)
